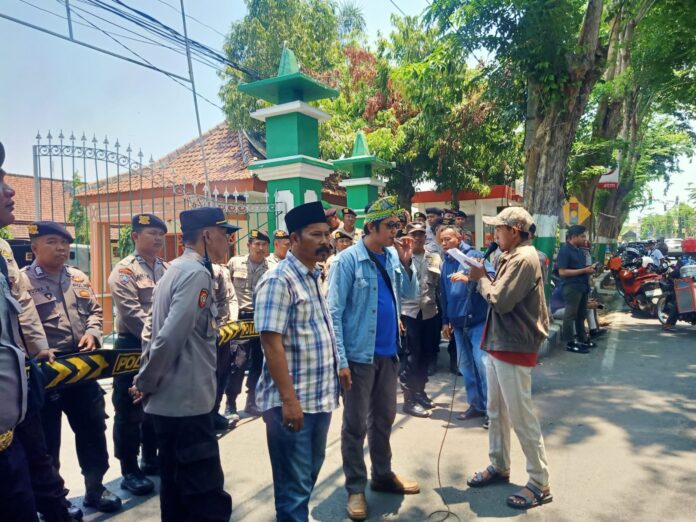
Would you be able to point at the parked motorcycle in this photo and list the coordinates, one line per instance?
(637, 280)
(678, 295)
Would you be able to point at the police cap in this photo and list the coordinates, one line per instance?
(141, 221)
(47, 228)
(260, 235)
(341, 234)
(303, 215)
(460, 213)
(419, 215)
(281, 234)
(203, 217)
(433, 210)
(349, 211)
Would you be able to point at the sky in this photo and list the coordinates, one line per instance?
(51, 84)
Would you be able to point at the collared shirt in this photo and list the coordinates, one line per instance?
(289, 301)
(427, 266)
(132, 282)
(656, 255)
(357, 232)
(353, 300)
(273, 260)
(67, 306)
(33, 338)
(572, 257)
(245, 276)
(177, 372)
(224, 295)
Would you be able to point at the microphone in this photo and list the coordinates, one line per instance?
(492, 247)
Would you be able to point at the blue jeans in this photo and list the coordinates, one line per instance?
(471, 363)
(296, 459)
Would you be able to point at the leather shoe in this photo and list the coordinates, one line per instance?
(597, 332)
(74, 512)
(588, 344)
(425, 401)
(137, 483)
(576, 347)
(220, 423)
(104, 501)
(395, 484)
(415, 409)
(471, 413)
(357, 506)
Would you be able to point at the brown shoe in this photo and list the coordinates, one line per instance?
(395, 485)
(357, 506)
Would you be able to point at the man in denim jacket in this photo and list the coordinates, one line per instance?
(364, 306)
(464, 315)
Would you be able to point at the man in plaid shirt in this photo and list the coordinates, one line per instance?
(299, 384)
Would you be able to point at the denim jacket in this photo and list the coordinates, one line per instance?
(353, 300)
(462, 305)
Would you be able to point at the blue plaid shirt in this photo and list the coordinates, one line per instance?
(289, 301)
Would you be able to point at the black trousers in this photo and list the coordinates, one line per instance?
(575, 297)
(223, 371)
(47, 484)
(131, 425)
(422, 336)
(247, 355)
(192, 479)
(84, 407)
(16, 496)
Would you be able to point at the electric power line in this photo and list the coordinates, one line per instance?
(395, 5)
(192, 18)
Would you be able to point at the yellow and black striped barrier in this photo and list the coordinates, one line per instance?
(103, 364)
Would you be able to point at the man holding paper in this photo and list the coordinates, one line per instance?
(464, 315)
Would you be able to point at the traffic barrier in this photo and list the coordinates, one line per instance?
(79, 367)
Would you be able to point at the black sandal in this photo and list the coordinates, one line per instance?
(539, 499)
(494, 477)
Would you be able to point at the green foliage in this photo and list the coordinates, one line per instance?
(125, 245)
(351, 22)
(5, 233)
(679, 221)
(308, 27)
(78, 213)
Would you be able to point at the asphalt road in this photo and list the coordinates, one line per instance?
(619, 424)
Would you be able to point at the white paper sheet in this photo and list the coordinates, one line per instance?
(463, 259)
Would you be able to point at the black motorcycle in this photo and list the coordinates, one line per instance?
(667, 307)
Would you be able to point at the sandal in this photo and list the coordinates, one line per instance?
(521, 501)
(494, 477)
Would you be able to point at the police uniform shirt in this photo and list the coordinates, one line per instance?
(224, 296)
(33, 338)
(357, 233)
(67, 306)
(13, 377)
(177, 373)
(273, 260)
(427, 266)
(245, 276)
(132, 282)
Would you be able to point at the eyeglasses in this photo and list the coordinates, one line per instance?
(393, 224)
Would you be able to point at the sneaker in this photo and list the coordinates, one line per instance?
(576, 347)
(416, 410)
(588, 343)
(471, 413)
(486, 422)
(597, 332)
(231, 412)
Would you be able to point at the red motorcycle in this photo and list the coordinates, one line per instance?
(638, 282)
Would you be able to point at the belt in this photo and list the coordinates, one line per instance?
(6, 440)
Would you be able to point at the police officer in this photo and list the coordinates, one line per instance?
(176, 381)
(16, 496)
(132, 282)
(72, 320)
(332, 219)
(246, 271)
(419, 217)
(281, 245)
(227, 310)
(348, 225)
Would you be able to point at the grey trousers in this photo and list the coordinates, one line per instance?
(369, 409)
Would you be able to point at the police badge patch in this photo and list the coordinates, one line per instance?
(124, 279)
(202, 298)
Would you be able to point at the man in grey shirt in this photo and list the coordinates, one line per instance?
(176, 381)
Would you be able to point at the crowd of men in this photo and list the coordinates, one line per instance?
(340, 311)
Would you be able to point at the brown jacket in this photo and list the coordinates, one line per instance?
(518, 320)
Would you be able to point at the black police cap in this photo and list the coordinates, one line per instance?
(433, 210)
(419, 215)
(348, 211)
(203, 217)
(47, 228)
(141, 221)
(304, 215)
(460, 213)
(281, 234)
(258, 234)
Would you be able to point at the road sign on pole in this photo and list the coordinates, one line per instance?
(574, 212)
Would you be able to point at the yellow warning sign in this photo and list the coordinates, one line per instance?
(574, 212)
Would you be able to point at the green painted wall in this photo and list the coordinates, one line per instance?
(298, 186)
(357, 197)
(292, 134)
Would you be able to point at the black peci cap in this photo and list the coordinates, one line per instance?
(203, 217)
(304, 215)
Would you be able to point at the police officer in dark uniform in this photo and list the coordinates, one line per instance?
(132, 282)
(176, 381)
(72, 320)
